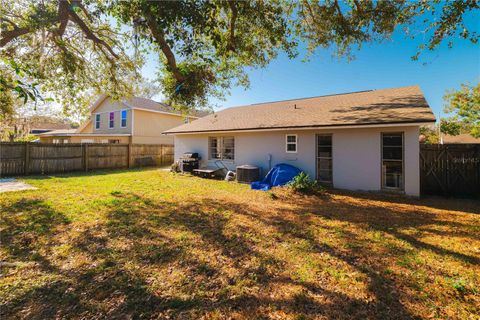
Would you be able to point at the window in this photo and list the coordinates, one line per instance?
(392, 161)
(324, 158)
(291, 141)
(221, 148)
(87, 141)
(97, 121)
(124, 119)
(113, 141)
(111, 122)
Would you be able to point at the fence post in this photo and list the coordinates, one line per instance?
(85, 156)
(129, 155)
(27, 158)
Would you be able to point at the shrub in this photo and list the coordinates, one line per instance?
(304, 184)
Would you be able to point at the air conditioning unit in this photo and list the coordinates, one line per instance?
(248, 173)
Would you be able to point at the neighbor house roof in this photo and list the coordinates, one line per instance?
(387, 106)
(147, 105)
(151, 105)
(58, 132)
(461, 138)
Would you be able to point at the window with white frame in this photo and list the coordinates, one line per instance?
(392, 161)
(221, 148)
(291, 143)
(111, 118)
(97, 121)
(124, 119)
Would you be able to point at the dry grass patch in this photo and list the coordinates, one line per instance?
(150, 244)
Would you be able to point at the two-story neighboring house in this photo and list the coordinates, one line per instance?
(134, 120)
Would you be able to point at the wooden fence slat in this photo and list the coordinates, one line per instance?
(46, 158)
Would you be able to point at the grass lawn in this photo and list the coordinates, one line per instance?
(151, 244)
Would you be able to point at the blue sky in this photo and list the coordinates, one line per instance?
(375, 66)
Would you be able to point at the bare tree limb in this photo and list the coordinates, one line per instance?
(89, 34)
(233, 19)
(63, 17)
(159, 36)
(8, 36)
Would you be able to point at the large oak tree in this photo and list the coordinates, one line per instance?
(74, 47)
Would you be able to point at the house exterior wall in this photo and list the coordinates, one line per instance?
(148, 127)
(87, 129)
(80, 139)
(356, 154)
(104, 110)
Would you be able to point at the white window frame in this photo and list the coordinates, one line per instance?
(99, 121)
(121, 118)
(110, 126)
(220, 146)
(291, 143)
(382, 173)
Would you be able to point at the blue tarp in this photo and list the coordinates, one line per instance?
(279, 175)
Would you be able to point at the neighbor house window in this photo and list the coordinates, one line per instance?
(124, 119)
(392, 161)
(324, 158)
(97, 121)
(111, 122)
(291, 143)
(221, 148)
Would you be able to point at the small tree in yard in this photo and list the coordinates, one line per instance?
(464, 104)
(302, 183)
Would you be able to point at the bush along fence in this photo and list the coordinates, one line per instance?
(47, 158)
(450, 169)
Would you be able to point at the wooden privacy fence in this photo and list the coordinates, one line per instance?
(45, 158)
(450, 169)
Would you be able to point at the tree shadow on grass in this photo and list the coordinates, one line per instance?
(28, 226)
(152, 259)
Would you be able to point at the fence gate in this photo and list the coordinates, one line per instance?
(450, 169)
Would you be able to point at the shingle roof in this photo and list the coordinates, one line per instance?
(58, 132)
(397, 105)
(143, 103)
(461, 138)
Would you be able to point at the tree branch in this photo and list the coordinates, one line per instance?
(63, 17)
(159, 36)
(89, 34)
(233, 19)
(339, 10)
(8, 36)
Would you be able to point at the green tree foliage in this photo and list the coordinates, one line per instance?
(204, 47)
(430, 135)
(464, 105)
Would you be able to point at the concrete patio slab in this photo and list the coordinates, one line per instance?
(9, 185)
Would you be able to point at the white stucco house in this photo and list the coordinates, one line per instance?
(364, 140)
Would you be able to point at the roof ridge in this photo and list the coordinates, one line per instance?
(312, 97)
